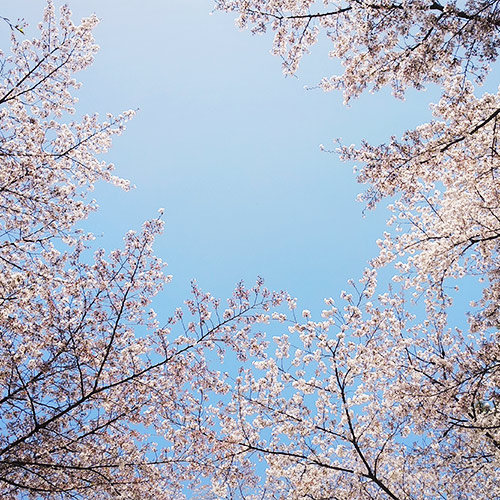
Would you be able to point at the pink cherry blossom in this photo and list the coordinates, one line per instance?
(386, 397)
(91, 378)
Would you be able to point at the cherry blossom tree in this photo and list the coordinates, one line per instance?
(382, 397)
(388, 395)
(90, 379)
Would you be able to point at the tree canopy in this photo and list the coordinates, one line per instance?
(381, 397)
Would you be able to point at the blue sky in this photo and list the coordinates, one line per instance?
(230, 148)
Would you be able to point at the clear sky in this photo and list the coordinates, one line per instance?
(230, 148)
